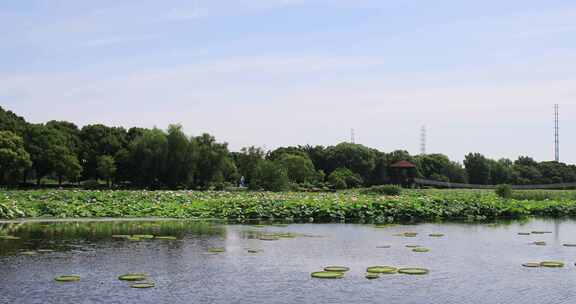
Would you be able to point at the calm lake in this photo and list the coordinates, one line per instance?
(471, 263)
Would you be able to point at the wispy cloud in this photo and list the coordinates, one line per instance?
(562, 29)
(118, 40)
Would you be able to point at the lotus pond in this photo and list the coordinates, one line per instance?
(190, 261)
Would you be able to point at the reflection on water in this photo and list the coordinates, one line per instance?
(471, 263)
(60, 235)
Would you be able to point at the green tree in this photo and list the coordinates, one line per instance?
(318, 156)
(47, 147)
(299, 168)
(210, 160)
(179, 159)
(107, 168)
(380, 174)
(269, 176)
(343, 178)
(279, 153)
(13, 157)
(556, 172)
(526, 171)
(124, 165)
(229, 171)
(357, 158)
(98, 140)
(67, 166)
(147, 158)
(12, 122)
(433, 165)
(477, 168)
(398, 155)
(500, 171)
(247, 160)
(456, 173)
(70, 132)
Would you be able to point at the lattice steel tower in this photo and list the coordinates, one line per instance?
(423, 140)
(556, 135)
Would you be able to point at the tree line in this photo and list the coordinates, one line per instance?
(63, 153)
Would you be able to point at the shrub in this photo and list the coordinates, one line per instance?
(384, 190)
(343, 178)
(337, 182)
(91, 184)
(269, 176)
(504, 191)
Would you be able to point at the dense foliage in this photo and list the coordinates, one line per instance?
(504, 191)
(351, 205)
(60, 152)
(384, 190)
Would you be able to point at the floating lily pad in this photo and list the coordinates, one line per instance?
(327, 275)
(9, 237)
(553, 264)
(410, 234)
(121, 236)
(280, 225)
(216, 250)
(143, 285)
(382, 269)
(133, 277)
(29, 252)
(420, 249)
(268, 238)
(384, 246)
(336, 268)
(413, 271)
(258, 226)
(412, 246)
(286, 235)
(531, 265)
(166, 238)
(143, 236)
(372, 276)
(523, 233)
(540, 243)
(383, 225)
(253, 250)
(541, 232)
(436, 235)
(67, 278)
(569, 245)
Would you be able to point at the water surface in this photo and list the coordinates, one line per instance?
(472, 263)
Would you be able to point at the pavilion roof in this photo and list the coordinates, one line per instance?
(403, 164)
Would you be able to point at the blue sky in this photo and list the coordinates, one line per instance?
(481, 75)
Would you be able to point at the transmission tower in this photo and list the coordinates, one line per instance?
(352, 136)
(423, 140)
(556, 135)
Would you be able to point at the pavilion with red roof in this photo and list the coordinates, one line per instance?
(403, 173)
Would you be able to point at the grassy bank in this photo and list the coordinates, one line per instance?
(412, 205)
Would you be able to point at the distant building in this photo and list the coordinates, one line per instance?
(403, 173)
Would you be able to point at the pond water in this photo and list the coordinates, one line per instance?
(471, 263)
